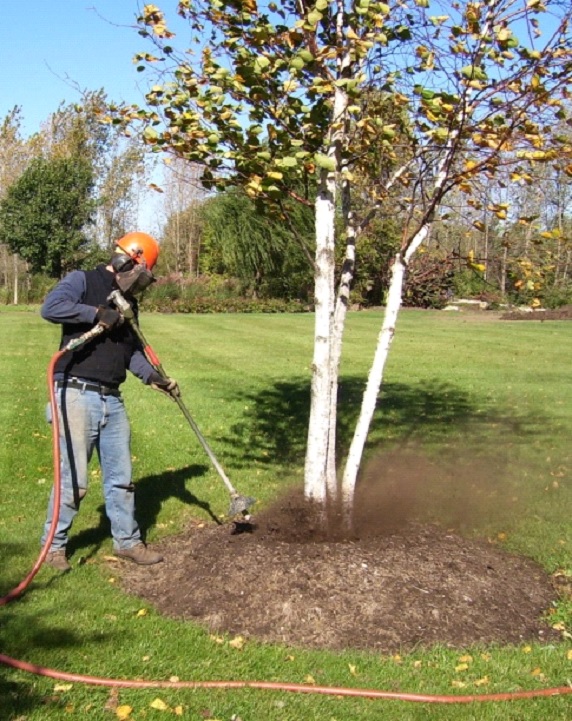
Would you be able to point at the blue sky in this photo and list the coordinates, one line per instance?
(50, 48)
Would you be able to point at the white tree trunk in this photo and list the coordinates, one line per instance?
(371, 393)
(315, 475)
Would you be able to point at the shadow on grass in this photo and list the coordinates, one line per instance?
(276, 425)
(274, 431)
(21, 694)
(151, 492)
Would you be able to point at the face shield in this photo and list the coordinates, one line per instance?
(132, 278)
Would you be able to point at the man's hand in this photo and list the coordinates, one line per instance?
(168, 386)
(108, 317)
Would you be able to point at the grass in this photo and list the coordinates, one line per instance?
(490, 401)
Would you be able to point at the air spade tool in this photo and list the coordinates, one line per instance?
(239, 505)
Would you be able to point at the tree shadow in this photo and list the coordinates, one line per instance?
(150, 493)
(276, 424)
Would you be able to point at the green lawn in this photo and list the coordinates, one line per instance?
(490, 400)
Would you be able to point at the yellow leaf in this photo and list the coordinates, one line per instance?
(482, 681)
(310, 679)
(142, 612)
(178, 710)
(536, 672)
(352, 669)
(123, 712)
(159, 705)
(174, 679)
(216, 639)
(237, 642)
(63, 687)
(569, 655)
(458, 684)
(527, 649)
(466, 659)
(462, 667)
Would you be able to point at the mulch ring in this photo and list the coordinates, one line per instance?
(563, 313)
(283, 580)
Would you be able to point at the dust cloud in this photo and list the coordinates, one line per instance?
(460, 490)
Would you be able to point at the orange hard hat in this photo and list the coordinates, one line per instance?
(140, 246)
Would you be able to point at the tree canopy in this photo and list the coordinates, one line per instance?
(269, 95)
(45, 212)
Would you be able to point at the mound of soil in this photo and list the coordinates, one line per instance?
(288, 578)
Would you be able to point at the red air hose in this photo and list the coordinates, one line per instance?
(260, 685)
(21, 587)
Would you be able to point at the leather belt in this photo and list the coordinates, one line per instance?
(88, 386)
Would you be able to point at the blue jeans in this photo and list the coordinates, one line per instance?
(90, 421)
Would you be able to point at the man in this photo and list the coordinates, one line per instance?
(91, 411)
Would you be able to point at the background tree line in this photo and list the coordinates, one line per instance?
(69, 191)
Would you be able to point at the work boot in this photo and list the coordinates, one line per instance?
(58, 560)
(139, 554)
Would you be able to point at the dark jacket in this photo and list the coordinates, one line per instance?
(105, 359)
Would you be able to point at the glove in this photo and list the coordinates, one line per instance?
(168, 386)
(108, 317)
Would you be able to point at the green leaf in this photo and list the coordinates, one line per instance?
(261, 63)
(314, 17)
(150, 134)
(473, 72)
(325, 162)
(288, 162)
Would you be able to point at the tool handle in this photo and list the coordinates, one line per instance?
(77, 342)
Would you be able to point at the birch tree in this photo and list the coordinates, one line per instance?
(268, 94)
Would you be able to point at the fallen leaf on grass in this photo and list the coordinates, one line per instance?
(237, 642)
(159, 705)
(352, 669)
(59, 687)
(482, 681)
(462, 667)
(123, 712)
(142, 612)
